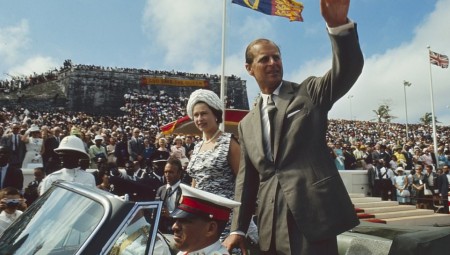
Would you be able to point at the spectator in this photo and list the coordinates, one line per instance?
(10, 202)
(418, 188)
(10, 175)
(178, 151)
(13, 142)
(97, 151)
(32, 190)
(170, 193)
(401, 186)
(50, 158)
(136, 146)
(443, 187)
(33, 145)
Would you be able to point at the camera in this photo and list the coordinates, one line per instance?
(12, 202)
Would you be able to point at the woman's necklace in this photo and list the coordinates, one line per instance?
(213, 137)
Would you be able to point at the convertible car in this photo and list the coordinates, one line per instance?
(76, 219)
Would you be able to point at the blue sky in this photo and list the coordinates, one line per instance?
(185, 35)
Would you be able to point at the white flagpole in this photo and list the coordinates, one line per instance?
(222, 76)
(432, 109)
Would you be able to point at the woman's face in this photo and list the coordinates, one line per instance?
(162, 143)
(204, 118)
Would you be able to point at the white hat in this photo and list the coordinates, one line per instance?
(198, 203)
(206, 96)
(399, 169)
(98, 137)
(33, 128)
(71, 143)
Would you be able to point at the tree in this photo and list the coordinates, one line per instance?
(383, 113)
(427, 119)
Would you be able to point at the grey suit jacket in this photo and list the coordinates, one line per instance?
(17, 156)
(135, 148)
(308, 177)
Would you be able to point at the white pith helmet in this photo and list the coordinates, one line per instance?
(71, 143)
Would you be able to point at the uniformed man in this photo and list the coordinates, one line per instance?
(72, 152)
(199, 220)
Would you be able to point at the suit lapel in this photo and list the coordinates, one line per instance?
(256, 127)
(282, 102)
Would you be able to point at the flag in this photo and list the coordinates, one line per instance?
(290, 9)
(438, 59)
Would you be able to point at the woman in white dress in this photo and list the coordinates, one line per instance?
(33, 144)
(401, 186)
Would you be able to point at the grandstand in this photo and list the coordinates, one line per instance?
(100, 90)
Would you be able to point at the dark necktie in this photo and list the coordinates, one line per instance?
(16, 143)
(168, 194)
(271, 110)
(1, 179)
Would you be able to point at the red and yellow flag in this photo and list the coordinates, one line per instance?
(290, 9)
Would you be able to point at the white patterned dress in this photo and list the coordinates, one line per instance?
(212, 172)
(33, 156)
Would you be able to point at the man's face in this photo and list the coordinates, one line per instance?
(267, 67)
(15, 129)
(188, 140)
(445, 169)
(172, 174)
(189, 234)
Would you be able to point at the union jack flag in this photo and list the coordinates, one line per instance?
(438, 59)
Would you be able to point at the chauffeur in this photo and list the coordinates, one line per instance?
(199, 220)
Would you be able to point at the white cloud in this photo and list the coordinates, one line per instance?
(185, 30)
(13, 39)
(383, 76)
(38, 64)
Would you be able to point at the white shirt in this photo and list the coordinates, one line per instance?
(71, 175)
(214, 249)
(266, 122)
(6, 219)
(172, 197)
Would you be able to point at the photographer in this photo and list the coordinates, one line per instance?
(10, 203)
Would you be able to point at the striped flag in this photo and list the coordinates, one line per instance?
(438, 59)
(290, 9)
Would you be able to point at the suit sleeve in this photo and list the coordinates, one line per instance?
(347, 65)
(245, 191)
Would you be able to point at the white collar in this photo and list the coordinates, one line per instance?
(174, 187)
(275, 92)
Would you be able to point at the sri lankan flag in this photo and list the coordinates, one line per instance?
(290, 9)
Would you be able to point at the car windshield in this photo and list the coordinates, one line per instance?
(58, 226)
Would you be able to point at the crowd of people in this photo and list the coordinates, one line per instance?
(20, 82)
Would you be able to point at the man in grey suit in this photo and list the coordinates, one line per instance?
(136, 146)
(13, 141)
(302, 203)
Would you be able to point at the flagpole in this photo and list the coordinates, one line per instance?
(222, 76)
(433, 118)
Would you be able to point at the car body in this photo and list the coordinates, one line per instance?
(72, 218)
